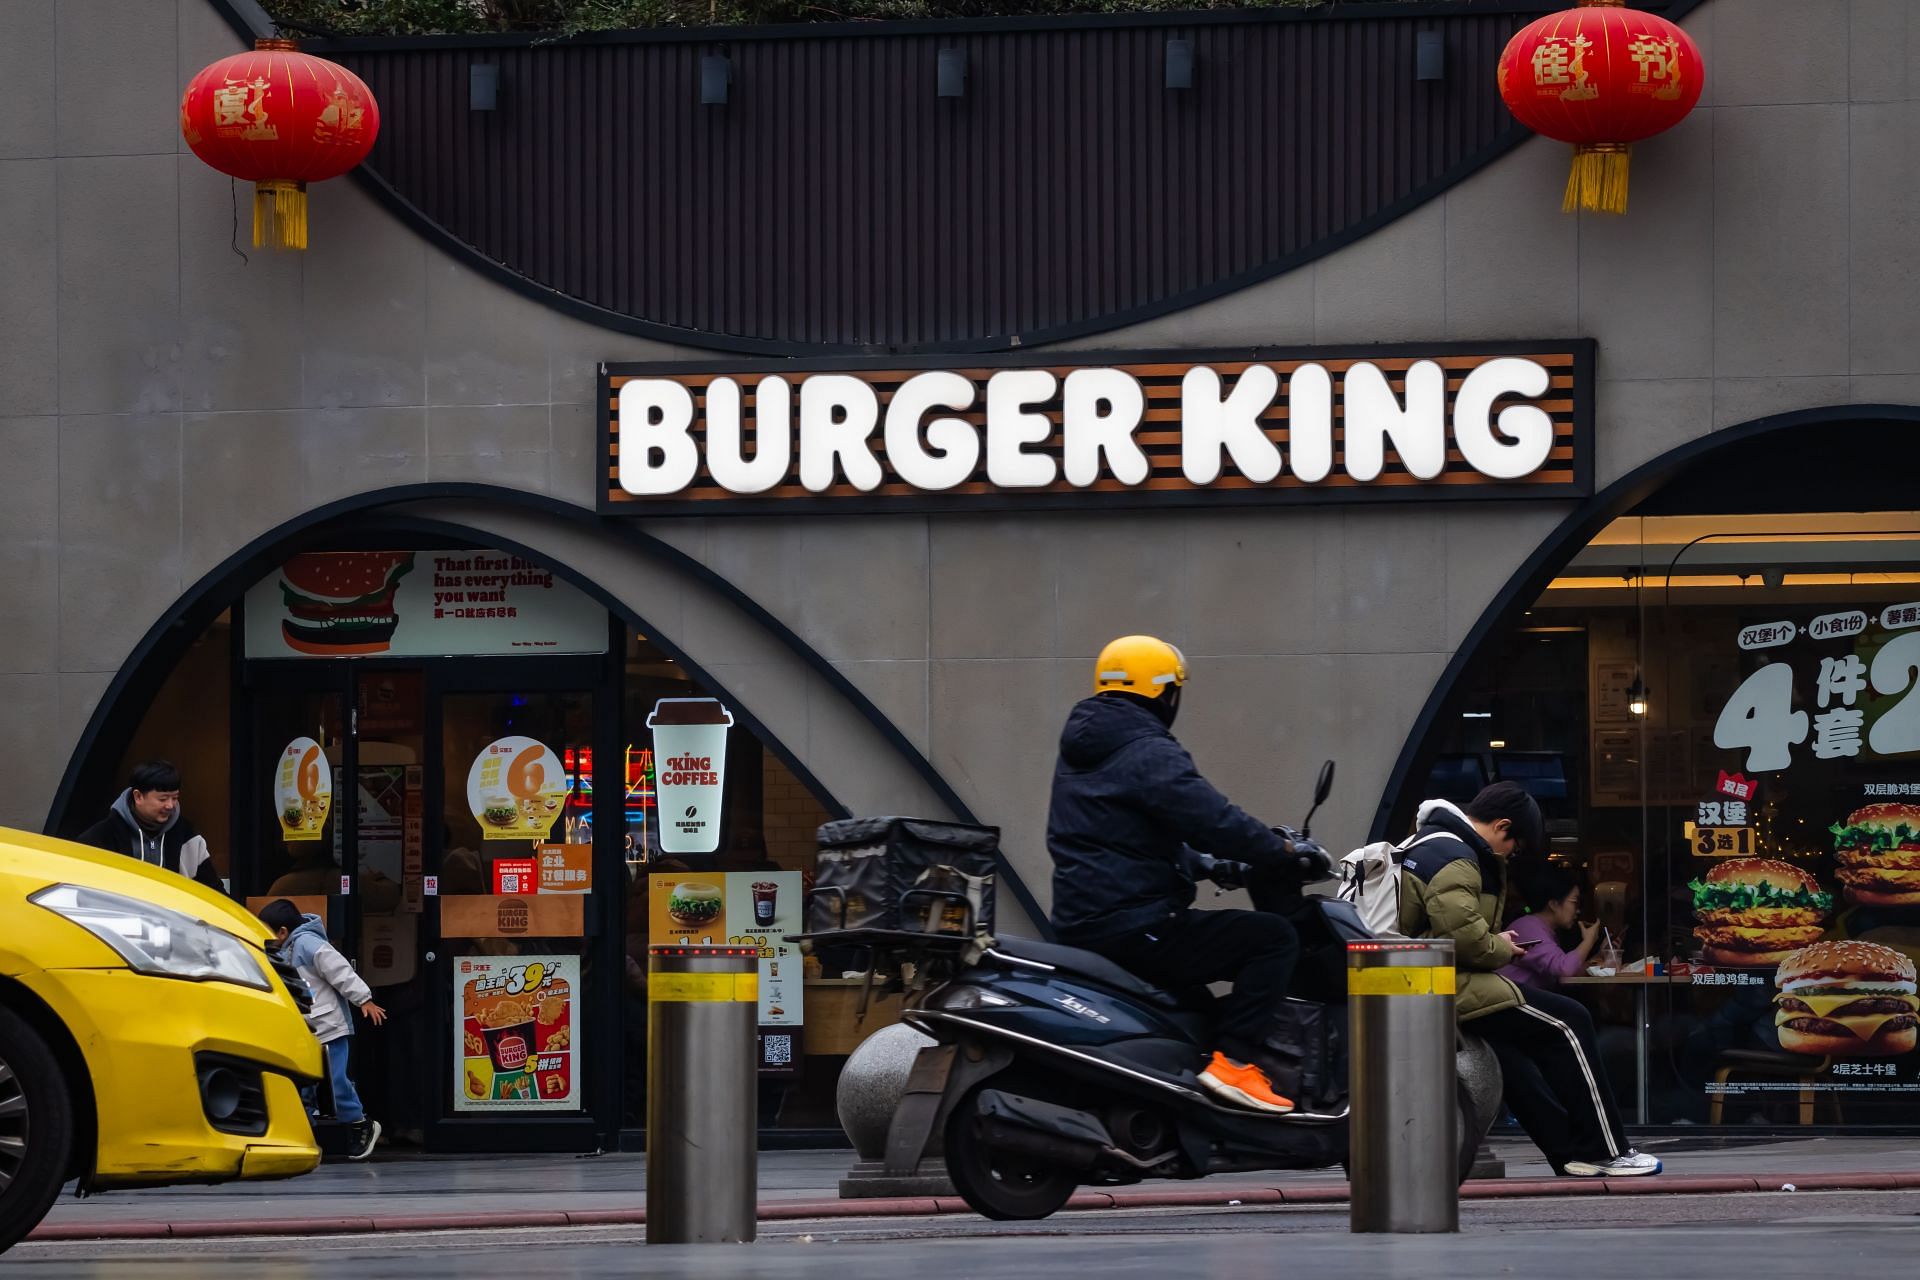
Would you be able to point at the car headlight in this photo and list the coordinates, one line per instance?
(154, 940)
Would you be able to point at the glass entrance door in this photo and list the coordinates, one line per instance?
(440, 818)
(517, 965)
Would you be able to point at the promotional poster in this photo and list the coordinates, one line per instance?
(302, 790)
(742, 908)
(516, 790)
(332, 604)
(518, 1033)
(690, 751)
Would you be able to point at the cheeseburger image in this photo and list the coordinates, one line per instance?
(1878, 849)
(694, 903)
(1847, 1000)
(1756, 911)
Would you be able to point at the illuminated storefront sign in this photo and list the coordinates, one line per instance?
(1134, 429)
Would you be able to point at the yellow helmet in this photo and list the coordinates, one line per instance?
(1140, 665)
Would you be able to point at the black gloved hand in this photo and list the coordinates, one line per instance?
(1229, 875)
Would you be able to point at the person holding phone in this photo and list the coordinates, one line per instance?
(1553, 909)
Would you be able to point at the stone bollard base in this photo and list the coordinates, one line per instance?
(868, 1180)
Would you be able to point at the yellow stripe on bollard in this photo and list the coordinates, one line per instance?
(703, 987)
(1435, 980)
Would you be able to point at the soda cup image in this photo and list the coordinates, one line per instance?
(766, 896)
(690, 771)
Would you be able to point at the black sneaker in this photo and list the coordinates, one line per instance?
(364, 1137)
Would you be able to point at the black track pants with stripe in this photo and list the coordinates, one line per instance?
(1555, 1082)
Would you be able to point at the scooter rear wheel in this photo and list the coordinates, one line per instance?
(998, 1184)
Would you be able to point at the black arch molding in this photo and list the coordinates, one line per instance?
(835, 206)
(1640, 486)
(160, 649)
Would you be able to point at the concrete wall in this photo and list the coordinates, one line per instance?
(164, 401)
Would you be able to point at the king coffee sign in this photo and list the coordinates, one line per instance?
(1137, 428)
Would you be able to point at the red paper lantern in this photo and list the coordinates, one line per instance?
(1602, 77)
(279, 118)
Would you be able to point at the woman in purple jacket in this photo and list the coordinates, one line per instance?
(1553, 906)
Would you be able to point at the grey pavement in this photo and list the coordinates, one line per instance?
(1748, 1237)
(480, 1184)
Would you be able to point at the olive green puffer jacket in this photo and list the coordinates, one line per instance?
(1452, 886)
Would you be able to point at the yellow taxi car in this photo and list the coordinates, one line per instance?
(146, 1037)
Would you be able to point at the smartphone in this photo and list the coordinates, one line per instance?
(1524, 943)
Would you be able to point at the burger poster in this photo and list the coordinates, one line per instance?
(334, 604)
(516, 790)
(302, 790)
(1878, 851)
(1755, 912)
(1847, 999)
(517, 1036)
(738, 908)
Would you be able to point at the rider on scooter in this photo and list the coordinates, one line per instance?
(1128, 813)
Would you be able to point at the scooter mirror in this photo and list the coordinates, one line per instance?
(1324, 787)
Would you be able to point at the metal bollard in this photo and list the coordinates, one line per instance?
(1405, 1128)
(702, 1094)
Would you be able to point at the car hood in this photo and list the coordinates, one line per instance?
(27, 858)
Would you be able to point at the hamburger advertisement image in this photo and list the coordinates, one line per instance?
(1847, 1000)
(1755, 912)
(694, 904)
(398, 604)
(1878, 851)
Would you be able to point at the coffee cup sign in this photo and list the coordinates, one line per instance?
(690, 771)
(516, 790)
(302, 790)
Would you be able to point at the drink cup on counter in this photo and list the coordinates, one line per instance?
(690, 763)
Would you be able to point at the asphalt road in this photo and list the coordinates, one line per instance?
(1742, 1237)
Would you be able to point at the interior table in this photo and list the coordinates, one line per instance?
(1641, 981)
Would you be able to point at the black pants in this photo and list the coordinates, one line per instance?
(1253, 950)
(1555, 1082)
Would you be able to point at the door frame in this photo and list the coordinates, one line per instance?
(602, 676)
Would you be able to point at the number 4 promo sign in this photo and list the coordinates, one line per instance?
(1761, 717)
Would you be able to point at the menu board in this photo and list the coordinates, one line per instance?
(742, 908)
(516, 1033)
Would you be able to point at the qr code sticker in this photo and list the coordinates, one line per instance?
(777, 1051)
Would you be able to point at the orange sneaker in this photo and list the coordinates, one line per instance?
(1242, 1084)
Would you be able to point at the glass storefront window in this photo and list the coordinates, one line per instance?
(727, 883)
(1719, 716)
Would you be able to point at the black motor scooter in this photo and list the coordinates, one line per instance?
(1055, 1068)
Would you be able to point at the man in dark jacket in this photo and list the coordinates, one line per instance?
(1454, 878)
(1129, 810)
(145, 822)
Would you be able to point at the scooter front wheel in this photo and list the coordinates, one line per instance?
(997, 1183)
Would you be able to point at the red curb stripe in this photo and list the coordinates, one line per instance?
(920, 1206)
(1194, 1199)
(608, 1217)
(105, 1231)
(1696, 1184)
(204, 1230)
(458, 1221)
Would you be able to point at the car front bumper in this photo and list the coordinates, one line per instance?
(142, 1038)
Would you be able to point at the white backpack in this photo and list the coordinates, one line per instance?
(1370, 880)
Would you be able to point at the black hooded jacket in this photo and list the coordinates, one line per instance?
(1127, 800)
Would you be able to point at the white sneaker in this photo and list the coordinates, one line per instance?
(363, 1140)
(1632, 1164)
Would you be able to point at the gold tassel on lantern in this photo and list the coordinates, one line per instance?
(280, 214)
(1598, 181)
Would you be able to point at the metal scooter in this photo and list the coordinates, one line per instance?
(1056, 1069)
